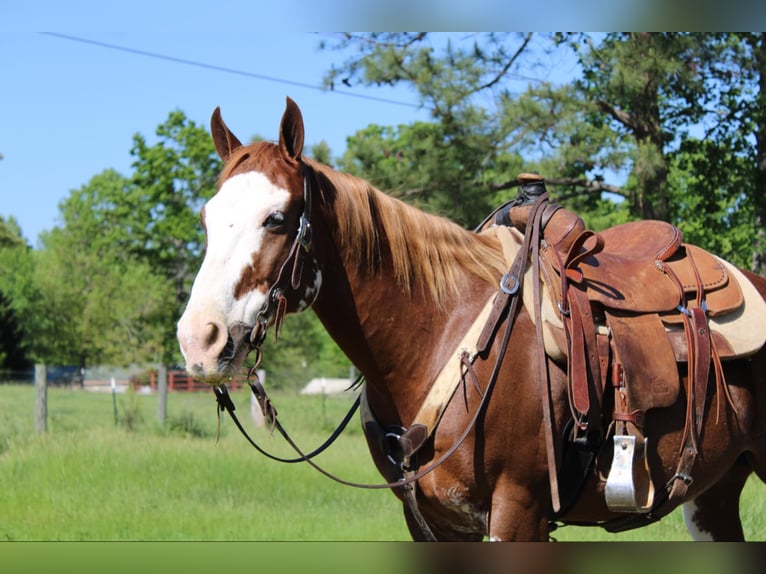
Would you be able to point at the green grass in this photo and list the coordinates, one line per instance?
(88, 478)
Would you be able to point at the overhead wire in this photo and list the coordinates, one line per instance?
(214, 67)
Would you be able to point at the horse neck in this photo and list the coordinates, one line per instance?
(398, 337)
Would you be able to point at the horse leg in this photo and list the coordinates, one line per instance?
(517, 515)
(714, 514)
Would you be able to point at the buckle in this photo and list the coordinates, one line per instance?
(304, 233)
(514, 284)
(688, 480)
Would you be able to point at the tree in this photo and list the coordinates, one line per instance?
(738, 124)
(10, 233)
(757, 45)
(172, 180)
(431, 168)
(13, 253)
(646, 126)
(455, 165)
(101, 303)
(147, 225)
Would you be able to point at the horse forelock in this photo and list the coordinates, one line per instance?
(427, 252)
(265, 157)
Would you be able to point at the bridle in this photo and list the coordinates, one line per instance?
(275, 306)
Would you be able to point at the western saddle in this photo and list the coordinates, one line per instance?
(634, 302)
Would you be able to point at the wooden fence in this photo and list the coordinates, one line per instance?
(177, 381)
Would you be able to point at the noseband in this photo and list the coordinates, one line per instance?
(289, 277)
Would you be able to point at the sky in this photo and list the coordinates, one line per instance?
(69, 108)
(78, 78)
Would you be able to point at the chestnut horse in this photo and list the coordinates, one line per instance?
(398, 289)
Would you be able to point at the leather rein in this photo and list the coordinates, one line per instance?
(507, 303)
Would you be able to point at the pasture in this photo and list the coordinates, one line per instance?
(89, 479)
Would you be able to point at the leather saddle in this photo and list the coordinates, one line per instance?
(635, 304)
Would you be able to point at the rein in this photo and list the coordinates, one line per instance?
(226, 404)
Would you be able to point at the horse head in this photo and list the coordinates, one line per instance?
(258, 263)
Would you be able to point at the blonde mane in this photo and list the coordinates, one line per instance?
(427, 251)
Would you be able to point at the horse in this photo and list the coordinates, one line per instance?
(400, 291)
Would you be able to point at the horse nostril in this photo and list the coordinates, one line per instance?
(212, 334)
(215, 337)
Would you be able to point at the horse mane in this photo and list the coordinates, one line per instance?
(427, 251)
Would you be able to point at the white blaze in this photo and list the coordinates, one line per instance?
(234, 222)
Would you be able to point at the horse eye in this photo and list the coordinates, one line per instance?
(275, 220)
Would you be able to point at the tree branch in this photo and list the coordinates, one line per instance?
(621, 116)
(587, 186)
(508, 64)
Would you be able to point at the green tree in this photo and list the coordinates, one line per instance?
(97, 302)
(455, 165)
(146, 225)
(738, 125)
(10, 233)
(171, 181)
(648, 125)
(13, 253)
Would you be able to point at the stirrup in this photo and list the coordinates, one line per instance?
(629, 487)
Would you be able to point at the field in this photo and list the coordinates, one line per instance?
(91, 478)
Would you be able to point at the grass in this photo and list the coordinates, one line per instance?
(89, 479)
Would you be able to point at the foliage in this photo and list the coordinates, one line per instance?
(615, 140)
(12, 248)
(111, 279)
(427, 165)
(20, 303)
(10, 233)
(102, 304)
(171, 181)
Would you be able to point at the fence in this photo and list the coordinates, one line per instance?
(177, 381)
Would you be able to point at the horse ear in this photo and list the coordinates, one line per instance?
(225, 141)
(291, 130)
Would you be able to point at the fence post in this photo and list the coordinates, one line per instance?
(162, 394)
(41, 398)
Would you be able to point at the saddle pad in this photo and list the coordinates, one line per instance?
(743, 329)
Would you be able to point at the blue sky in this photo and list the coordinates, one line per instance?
(68, 109)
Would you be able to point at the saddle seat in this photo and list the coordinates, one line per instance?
(643, 267)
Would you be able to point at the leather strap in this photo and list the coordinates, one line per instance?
(510, 284)
(543, 380)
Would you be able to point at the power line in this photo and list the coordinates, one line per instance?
(216, 68)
